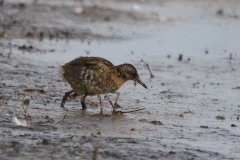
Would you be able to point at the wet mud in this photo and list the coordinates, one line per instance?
(60, 20)
(190, 110)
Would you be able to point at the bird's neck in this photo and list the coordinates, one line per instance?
(122, 72)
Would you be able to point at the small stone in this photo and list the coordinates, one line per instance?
(171, 152)
(78, 10)
(220, 117)
(204, 126)
(156, 122)
(46, 117)
(181, 115)
(180, 58)
(45, 142)
(220, 12)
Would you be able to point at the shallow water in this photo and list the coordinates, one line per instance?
(152, 42)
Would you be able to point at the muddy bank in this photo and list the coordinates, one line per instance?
(60, 20)
(87, 134)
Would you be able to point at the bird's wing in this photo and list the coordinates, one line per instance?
(85, 69)
(96, 63)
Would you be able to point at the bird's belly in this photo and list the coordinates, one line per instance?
(102, 85)
(101, 88)
(79, 90)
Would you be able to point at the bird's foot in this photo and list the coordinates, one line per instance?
(117, 113)
(84, 107)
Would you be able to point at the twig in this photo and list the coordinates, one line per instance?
(134, 110)
(25, 110)
(35, 112)
(23, 105)
(135, 83)
(109, 100)
(95, 153)
(180, 57)
(30, 90)
(64, 117)
(10, 52)
(151, 75)
(3, 31)
(29, 94)
(115, 104)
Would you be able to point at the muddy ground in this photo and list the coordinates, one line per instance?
(190, 110)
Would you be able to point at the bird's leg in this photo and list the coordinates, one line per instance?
(109, 100)
(84, 107)
(115, 104)
(66, 97)
(74, 95)
(101, 112)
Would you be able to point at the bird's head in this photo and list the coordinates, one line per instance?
(129, 72)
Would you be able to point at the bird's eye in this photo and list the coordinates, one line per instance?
(133, 73)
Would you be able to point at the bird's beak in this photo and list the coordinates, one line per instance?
(141, 82)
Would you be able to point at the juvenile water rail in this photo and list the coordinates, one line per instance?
(91, 76)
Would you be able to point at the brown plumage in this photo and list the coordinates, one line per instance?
(95, 75)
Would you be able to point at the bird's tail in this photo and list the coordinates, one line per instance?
(62, 71)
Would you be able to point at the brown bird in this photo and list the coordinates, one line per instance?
(91, 76)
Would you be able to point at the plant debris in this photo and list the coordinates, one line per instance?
(94, 104)
(156, 122)
(95, 153)
(18, 122)
(27, 48)
(220, 12)
(151, 75)
(10, 52)
(220, 117)
(64, 117)
(26, 103)
(45, 142)
(181, 115)
(133, 110)
(204, 126)
(35, 90)
(180, 58)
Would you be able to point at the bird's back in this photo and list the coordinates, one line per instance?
(92, 75)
